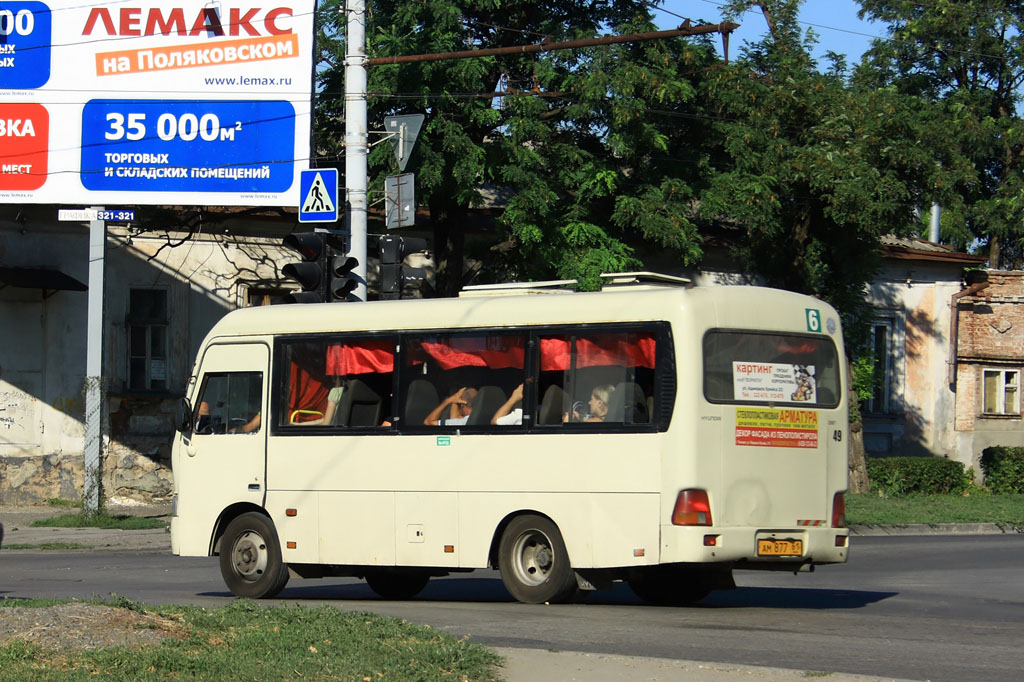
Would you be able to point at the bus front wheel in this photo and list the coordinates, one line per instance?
(250, 557)
(534, 562)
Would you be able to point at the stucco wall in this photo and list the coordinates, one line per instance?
(43, 350)
(915, 297)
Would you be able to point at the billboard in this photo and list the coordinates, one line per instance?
(132, 102)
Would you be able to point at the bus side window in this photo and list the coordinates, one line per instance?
(229, 402)
(597, 377)
(464, 379)
(337, 382)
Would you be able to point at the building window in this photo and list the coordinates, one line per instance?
(881, 349)
(1001, 392)
(147, 339)
(259, 296)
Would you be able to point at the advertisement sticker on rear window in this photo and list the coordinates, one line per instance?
(777, 428)
(773, 382)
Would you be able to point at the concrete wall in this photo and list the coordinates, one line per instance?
(43, 345)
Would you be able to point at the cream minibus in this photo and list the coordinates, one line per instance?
(652, 432)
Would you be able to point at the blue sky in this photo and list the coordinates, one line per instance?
(835, 22)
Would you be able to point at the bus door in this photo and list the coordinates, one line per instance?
(225, 457)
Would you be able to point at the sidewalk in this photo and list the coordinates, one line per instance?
(522, 665)
(18, 531)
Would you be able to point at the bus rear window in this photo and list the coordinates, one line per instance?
(759, 367)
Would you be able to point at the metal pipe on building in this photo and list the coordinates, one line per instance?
(933, 223)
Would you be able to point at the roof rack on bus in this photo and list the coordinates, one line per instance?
(554, 286)
(613, 280)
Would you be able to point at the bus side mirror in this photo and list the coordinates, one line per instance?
(184, 423)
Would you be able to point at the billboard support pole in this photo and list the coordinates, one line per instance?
(356, 139)
(94, 388)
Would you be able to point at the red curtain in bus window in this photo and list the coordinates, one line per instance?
(618, 350)
(365, 357)
(307, 394)
(615, 350)
(796, 346)
(494, 352)
(555, 354)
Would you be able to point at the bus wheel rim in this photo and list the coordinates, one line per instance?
(532, 558)
(249, 555)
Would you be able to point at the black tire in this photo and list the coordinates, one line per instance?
(534, 563)
(397, 583)
(660, 585)
(250, 557)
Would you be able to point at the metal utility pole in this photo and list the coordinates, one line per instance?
(356, 138)
(94, 388)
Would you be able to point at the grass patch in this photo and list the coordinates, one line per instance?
(59, 502)
(978, 507)
(47, 545)
(101, 520)
(245, 641)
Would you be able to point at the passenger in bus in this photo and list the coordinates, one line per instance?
(333, 398)
(459, 406)
(511, 412)
(597, 406)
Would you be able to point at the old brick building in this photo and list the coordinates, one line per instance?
(985, 372)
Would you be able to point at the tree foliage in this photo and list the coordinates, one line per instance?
(565, 137)
(810, 171)
(604, 157)
(967, 56)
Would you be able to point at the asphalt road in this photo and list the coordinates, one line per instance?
(936, 608)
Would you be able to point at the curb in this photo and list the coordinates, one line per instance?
(935, 529)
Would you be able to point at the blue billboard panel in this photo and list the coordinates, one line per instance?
(26, 36)
(188, 146)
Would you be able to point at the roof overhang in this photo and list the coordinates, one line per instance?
(48, 279)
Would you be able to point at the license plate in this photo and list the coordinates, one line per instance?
(780, 547)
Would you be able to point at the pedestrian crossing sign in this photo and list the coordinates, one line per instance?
(318, 190)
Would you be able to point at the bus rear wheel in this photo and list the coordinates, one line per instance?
(534, 562)
(397, 583)
(250, 557)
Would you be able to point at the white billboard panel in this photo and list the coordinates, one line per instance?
(132, 102)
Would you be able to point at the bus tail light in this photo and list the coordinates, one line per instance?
(692, 508)
(839, 511)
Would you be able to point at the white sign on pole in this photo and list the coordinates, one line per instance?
(154, 101)
(404, 131)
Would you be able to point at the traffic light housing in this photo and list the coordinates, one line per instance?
(323, 275)
(393, 274)
(342, 281)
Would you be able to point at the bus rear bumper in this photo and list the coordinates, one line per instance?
(782, 548)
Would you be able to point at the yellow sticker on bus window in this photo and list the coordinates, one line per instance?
(772, 428)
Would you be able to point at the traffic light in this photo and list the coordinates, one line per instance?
(342, 281)
(394, 275)
(322, 275)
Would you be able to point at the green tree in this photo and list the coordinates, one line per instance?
(968, 56)
(807, 172)
(565, 137)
